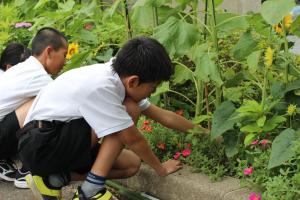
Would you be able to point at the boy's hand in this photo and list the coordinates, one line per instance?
(170, 166)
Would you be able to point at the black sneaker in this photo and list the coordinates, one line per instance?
(20, 181)
(7, 170)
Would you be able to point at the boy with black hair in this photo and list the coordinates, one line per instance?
(19, 85)
(99, 101)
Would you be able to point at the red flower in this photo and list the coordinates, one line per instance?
(177, 155)
(148, 128)
(161, 146)
(254, 196)
(186, 152)
(188, 145)
(264, 142)
(88, 26)
(248, 171)
(146, 122)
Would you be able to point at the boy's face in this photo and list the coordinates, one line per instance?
(138, 91)
(56, 60)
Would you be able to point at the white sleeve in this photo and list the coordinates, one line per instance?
(144, 104)
(104, 112)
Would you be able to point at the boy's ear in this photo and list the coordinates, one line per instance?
(133, 81)
(48, 51)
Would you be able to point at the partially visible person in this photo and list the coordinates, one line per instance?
(13, 54)
(19, 86)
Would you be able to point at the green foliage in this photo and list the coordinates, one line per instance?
(282, 148)
(273, 11)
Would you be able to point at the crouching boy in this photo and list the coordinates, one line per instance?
(83, 105)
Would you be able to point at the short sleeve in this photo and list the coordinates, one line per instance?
(104, 112)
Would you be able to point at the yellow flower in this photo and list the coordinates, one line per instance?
(72, 49)
(292, 110)
(268, 57)
(278, 29)
(287, 21)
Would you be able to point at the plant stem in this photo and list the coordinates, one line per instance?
(286, 49)
(127, 20)
(199, 104)
(215, 41)
(264, 91)
(206, 86)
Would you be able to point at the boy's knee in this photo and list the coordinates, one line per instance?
(132, 109)
(134, 167)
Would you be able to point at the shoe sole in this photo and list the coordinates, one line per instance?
(7, 178)
(21, 184)
(31, 184)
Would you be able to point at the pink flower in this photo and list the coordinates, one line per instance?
(264, 142)
(254, 196)
(23, 25)
(248, 171)
(186, 152)
(177, 155)
(255, 142)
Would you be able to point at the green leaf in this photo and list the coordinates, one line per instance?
(41, 3)
(217, 2)
(251, 106)
(164, 87)
(112, 9)
(273, 123)
(229, 22)
(231, 143)
(201, 118)
(273, 11)
(88, 37)
(261, 121)
(251, 128)
(177, 36)
(222, 119)
(257, 22)
(295, 27)
(244, 47)
(206, 68)
(66, 6)
(182, 74)
(249, 138)
(282, 148)
(233, 94)
(253, 60)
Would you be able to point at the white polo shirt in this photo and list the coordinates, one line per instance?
(20, 83)
(93, 92)
(1, 72)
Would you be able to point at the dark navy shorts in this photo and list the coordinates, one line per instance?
(57, 147)
(8, 140)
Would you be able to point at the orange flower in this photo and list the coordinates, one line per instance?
(161, 146)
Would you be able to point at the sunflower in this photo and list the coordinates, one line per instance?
(287, 21)
(72, 49)
(278, 29)
(269, 57)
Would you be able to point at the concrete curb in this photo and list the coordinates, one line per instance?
(185, 185)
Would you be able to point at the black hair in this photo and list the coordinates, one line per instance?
(47, 36)
(13, 54)
(144, 57)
